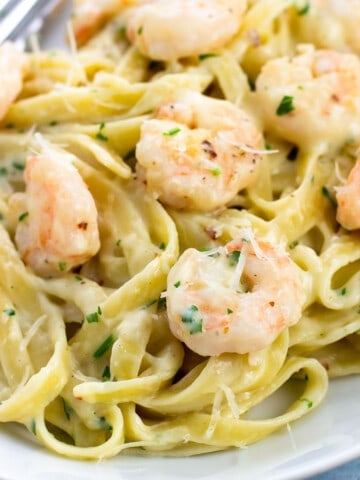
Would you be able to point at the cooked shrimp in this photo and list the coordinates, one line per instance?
(57, 227)
(90, 16)
(348, 200)
(198, 152)
(164, 30)
(311, 97)
(237, 299)
(12, 67)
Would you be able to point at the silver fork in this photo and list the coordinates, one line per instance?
(20, 18)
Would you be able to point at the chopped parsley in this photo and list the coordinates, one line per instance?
(234, 257)
(162, 246)
(204, 56)
(171, 132)
(216, 171)
(53, 123)
(325, 192)
(307, 401)
(229, 311)
(118, 242)
(78, 278)
(18, 165)
(3, 171)
(121, 31)
(140, 30)
(104, 424)
(177, 284)
(22, 216)
(10, 312)
(92, 317)
(342, 291)
(100, 134)
(149, 304)
(190, 317)
(293, 244)
(33, 426)
(106, 375)
(62, 266)
(104, 347)
(67, 409)
(285, 106)
(303, 10)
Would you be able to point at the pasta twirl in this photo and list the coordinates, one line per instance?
(92, 360)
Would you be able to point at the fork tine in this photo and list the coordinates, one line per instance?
(17, 15)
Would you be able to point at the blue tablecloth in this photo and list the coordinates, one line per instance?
(349, 471)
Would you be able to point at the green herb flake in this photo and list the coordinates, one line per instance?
(177, 284)
(33, 427)
(229, 311)
(342, 291)
(18, 165)
(268, 146)
(118, 242)
(216, 171)
(140, 30)
(99, 310)
(92, 317)
(325, 192)
(3, 171)
(106, 375)
(62, 266)
(293, 244)
(104, 347)
(22, 216)
(104, 424)
(303, 10)
(285, 106)
(67, 409)
(78, 278)
(53, 123)
(100, 134)
(307, 401)
(190, 317)
(234, 257)
(10, 312)
(149, 304)
(121, 31)
(162, 246)
(171, 132)
(204, 56)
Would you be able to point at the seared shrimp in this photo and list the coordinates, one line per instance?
(311, 97)
(236, 299)
(348, 200)
(168, 30)
(198, 152)
(12, 67)
(57, 227)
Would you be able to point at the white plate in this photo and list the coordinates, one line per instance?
(322, 440)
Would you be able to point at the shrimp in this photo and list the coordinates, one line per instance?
(198, 152)
(57, 227)
(167, 31)
(313, 96)
(348, 200)
(236, 299)
(12, 68)
(90, 16)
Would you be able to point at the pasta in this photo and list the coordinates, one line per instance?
(125, 237)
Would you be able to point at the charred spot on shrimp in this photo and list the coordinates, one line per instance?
(83, 225)
(208, 148)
